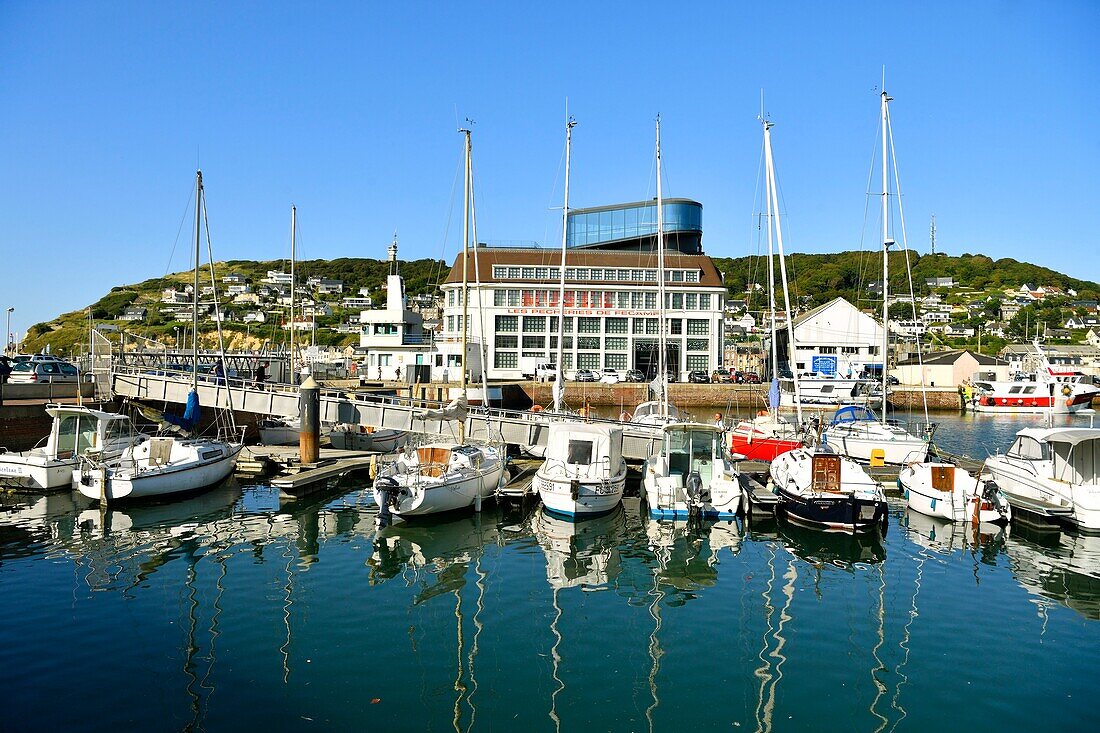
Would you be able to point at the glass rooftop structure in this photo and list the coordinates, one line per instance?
(634, 226)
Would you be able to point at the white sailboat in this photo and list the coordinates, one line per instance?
(945, 491)
(74, 432)
(444, 476)
(816, 486)
(167, 465)
(855, 431)
(658, 411)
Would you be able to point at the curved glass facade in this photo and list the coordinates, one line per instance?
(590, 227)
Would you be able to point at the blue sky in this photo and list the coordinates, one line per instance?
(350, 112)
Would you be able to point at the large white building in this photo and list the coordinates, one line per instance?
(612, 319)
(834, 339)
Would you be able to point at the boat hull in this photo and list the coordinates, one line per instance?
(838, 512)
(588, 498)
(760, 448)
(23, 472)
(119, 482)
(895, 452)
(423, 495)
(1082, 501)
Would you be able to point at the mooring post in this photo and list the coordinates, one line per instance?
(309, 409)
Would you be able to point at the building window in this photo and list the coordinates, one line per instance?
(567, 342)
(691, 276)
(637, 276)
(581, 273)
(675, 326)
(506, 341)
(615, 343)
(596, 274)
(555, 273)
(588, 361)
(622, 299)
(450, 325)
(698, 327)
(534, 342)
(639, 325)
(695, 344)
(588, 325)
(528, 273)
(827, 350)
(636, 299)
(698, 362)
(542, 273)
(849, 349)
(676, 276)
(500, 298)
(676, 301)
(505, 360)
(615, 361)
(651, 276)
(651, 326)
(615, 325)
(507, 324)
(534, 323)
(566, 361)
(691, 301)
(450, 298)
(704, 301)
(651, 301)
(513, 273)
(588, 342)
(535, 354)
(499, 272)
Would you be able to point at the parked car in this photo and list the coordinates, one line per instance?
(698, 376)
(41, 372)
(586, 375)
(609, 376)
(752, 378)
(634, 375)
(721, 377)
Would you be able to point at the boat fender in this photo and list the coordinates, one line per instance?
(1067, 390)
(1069, 402)
(761, 413)
(536, 408)
(625, 416)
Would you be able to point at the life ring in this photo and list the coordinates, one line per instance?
(1067, 390)
(625, 416)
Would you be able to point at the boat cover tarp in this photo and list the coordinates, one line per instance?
(773, 394)
(455, 410)
(853, 413)
(190, 417)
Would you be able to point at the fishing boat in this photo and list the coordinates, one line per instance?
(945, 491)
(168, 464)
(584, 472)
(443, 476)
(858, 433)
(363, 438)
(1053, 472)
(1046, 390)
(74, 432)
(692, 475)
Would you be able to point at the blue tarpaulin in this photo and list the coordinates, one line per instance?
(191, 413)
(773, 394)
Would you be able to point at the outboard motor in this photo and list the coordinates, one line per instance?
(387, 489)
(693, 487)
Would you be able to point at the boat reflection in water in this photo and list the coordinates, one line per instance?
(687, 553)
(1062, 567)
(946, 537)
(580, 553)
(840, 549)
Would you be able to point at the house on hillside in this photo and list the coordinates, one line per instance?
(1083, 322)
(949, 368)
(940, 282)
(1092, 338)
(1009, 309)
(134, 313)
(958, 330)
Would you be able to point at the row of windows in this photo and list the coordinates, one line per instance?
(592, 324)
(587, 274)
(510, 360)
(631, 222)
(505, 341)
(600, 299)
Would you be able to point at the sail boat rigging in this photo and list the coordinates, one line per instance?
(856, 431)
(444, 476)
(168, 465)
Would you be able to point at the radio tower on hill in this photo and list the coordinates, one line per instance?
(933, 233)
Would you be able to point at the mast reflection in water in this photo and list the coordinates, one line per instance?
(237, 609)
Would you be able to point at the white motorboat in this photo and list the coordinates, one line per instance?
(584, 472)
(170, 465)
(945, 491)
(381, 440)
(280, 431)
(1054, 472)
(858, 433)
(75, 431)
(438, 477)
(654, 412)
(825, 490)
(692, 474)
(823, 389)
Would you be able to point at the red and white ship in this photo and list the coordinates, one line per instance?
(1046, 390)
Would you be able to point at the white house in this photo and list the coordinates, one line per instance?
(833, 339)
(948, 368)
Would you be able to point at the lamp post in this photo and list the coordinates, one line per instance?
(7, 331)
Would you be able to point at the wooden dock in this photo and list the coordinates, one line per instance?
(294, 476)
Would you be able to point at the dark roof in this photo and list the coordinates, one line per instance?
(950, 357)
(489, 256)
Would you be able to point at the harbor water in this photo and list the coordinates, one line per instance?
(239, 610)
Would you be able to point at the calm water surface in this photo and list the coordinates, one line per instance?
(237, 610)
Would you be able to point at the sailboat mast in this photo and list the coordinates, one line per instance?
(293, 258)
(662, 357)
(570, 123)
(195, 294)
(885, 253)
(465, 273)
(771, 290)
(773, 210)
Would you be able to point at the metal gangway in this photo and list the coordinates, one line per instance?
(366, 409)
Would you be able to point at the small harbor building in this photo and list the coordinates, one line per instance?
(834, 339)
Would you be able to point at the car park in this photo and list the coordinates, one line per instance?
(634, 375)
(586, 375)
(44, 372)
(698, 377)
